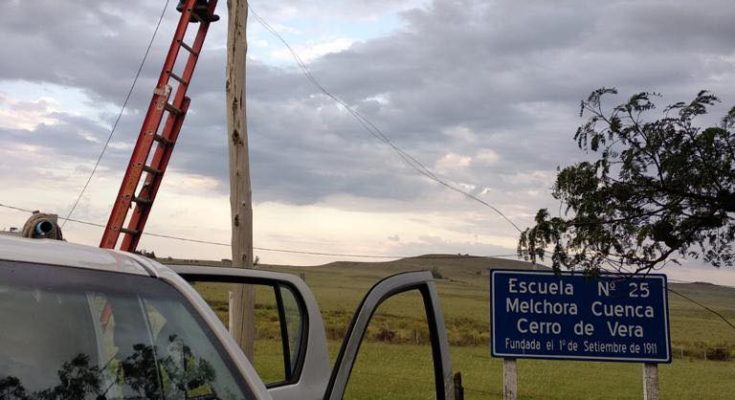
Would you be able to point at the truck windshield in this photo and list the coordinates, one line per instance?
(68, 333)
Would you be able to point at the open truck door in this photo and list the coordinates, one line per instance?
(302, 346)
(423, 283)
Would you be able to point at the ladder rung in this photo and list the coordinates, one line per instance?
(151, 170)
(142, 201)
(188, 48)
(172, 109)
(197, 17)
(160, 139)
(178, 78)
(204, 19)
(129, 231)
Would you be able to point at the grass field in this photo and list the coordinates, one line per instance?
(396, 361)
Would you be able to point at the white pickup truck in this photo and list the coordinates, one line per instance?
(79, 322)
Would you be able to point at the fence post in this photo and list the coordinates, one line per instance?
(458, 388)
(650, 382)
(230, 320)
(510, 379)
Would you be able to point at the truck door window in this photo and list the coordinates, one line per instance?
(293, 326)
(69, 333)
(279, 326)
(409, 365)
(395, 353)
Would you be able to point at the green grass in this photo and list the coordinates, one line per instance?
(395, 362)
(464, 293)
(388, 371)
(384, 372)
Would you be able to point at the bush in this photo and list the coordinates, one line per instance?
(718, 354)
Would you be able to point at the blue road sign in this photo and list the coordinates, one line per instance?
(538, 314)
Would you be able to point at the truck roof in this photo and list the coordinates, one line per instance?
(57, 252)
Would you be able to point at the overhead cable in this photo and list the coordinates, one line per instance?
(372, 129)
(719, 315)
(274, 250)
(117, 120)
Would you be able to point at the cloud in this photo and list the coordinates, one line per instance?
(26, 115)
(486, 157)
(310, 51)
(452, 161)
(487, 92)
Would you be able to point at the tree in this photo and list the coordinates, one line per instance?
(659, 189)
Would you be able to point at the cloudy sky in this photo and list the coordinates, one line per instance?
(484, 93)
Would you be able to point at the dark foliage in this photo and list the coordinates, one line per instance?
(659, 189)
(142, 375)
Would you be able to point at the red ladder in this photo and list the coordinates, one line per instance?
(149, 133)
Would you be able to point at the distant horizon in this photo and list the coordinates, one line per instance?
(671, 275)
(723, 276)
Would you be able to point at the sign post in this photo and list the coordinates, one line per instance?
(510, 379)
(612, 317)
(650, 382)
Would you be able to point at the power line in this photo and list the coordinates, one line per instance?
(274, 250)
(706, 308)
(314, 253)
(16, 208)
(119, 116)
(372, 129)
(725, 320)
(406, 157)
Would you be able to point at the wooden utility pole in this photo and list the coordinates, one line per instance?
(242, 302)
